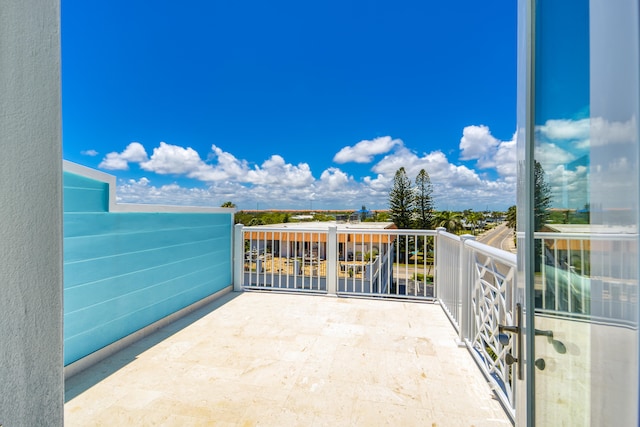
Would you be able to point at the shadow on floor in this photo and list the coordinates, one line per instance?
(87, 378)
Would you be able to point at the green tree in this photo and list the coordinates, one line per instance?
(256, 221)
(228, 204)
(541, 204)
(401, 200)
(382, 216)
(512, 217)
(424, 201)
(473, 218)
(452, 221)
(542, 200)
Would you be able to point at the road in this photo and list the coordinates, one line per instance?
(500, 237)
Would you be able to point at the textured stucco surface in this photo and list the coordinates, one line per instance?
(31, 373)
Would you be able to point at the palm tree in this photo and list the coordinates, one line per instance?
(452, 221)
(474, 218)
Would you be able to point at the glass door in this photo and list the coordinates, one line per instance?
(580, 260)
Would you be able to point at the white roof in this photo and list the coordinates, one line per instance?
(324, 225)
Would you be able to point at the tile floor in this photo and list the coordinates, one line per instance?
(267, 359)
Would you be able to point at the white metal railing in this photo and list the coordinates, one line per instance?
(474, 283)
(589, 276)
(346, 261)
(490, 303)
(448, 272)
(583, 276)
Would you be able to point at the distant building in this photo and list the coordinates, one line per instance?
(301, 240)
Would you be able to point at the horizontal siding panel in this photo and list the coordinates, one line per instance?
(82, 194)
(94, 269)
(129, 303)
(124, 271)
(95, 223)
(89, 247)
(89, 294)
(104, 333)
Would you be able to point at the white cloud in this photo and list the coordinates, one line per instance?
(91, 153)
(551, 156)
(505, 158)
(134, 152)
(275, 183)
(607, 132)
(141, 191)
(170, 159)
(477, 143)
(365, 150)
(454, 186)
(568, 188)
(565, 129)
(228, 167)
(275, 171)
(334, 179)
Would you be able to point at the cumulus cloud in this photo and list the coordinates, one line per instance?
(613, 132)
(334, 179)
(170, 159)
(142, 191)
(505, 158)
(365, 150)
(565, 129)
(91, 153)
(226, 167)
(275, 171)
(454, 185)
(276, 183)
(478, 144)
(134, 152)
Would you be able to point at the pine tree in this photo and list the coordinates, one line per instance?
(424, 201)
(542, 197)
(401, 200)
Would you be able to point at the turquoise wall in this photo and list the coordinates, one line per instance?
(126, 270)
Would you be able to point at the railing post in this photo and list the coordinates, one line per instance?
(436, 239)
(465, 288)
(238, 258)
(332, 260)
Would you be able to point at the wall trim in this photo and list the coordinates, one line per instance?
(132, 207)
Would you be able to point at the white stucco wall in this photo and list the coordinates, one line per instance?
(31, 373)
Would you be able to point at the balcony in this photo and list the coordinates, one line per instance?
(266, 359)
(421, 347)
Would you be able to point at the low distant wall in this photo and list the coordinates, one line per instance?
(125, 270)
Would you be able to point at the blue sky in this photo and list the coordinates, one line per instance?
(292, 104)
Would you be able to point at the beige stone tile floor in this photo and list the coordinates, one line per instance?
(268, 359)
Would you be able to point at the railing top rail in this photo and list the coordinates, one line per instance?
(585, 236)
(449, 235)
(340, 230)
(504, 256)
(390, 231)
(263, 229)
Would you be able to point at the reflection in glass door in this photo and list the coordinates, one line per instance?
(582, 163)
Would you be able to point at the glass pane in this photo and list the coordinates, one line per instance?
(586, 212)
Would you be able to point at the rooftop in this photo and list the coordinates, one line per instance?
(258, 358)
(324, 225)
